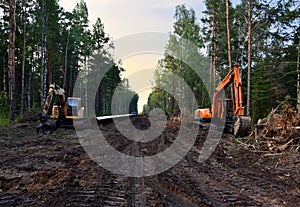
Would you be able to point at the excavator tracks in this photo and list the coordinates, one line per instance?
(54, 170)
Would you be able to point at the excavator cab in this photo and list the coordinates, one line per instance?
(227, 109)
(74, 109)
(224, 108)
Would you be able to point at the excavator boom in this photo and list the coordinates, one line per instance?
(232, 77)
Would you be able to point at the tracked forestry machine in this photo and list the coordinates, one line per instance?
(57, 110)
(231, 109)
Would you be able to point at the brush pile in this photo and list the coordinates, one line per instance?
(279, 132)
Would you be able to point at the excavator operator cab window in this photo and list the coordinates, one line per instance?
(229, 109)
(73, 102)
(73, 106)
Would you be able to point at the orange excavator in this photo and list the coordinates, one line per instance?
(231, 109)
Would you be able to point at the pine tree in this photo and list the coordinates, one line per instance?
(11, 59)
(182, 58)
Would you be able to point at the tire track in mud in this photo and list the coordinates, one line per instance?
(9, 199)
(56, 171)
(251, 185)
(224, 185)
(97, 189)
(214, 183)
(96, 186)
(175, 193)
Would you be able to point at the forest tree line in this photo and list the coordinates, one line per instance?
(41, 44)
(262, 36)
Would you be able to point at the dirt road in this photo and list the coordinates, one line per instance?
(54, 170)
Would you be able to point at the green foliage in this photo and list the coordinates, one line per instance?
(275, 32)
(274, 72)
(71, 43)
(4, 116)
(275, 36)
(99, 37)
(133, 106)
(214, 31)
(183, 60)
(159, 99)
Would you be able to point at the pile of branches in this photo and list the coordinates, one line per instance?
(279, 132)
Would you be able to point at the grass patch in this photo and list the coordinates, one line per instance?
(4, 121)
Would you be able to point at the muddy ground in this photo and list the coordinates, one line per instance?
(54, 170)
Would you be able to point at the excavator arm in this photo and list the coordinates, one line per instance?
(54, 90)
(48, 124)
(232, 77)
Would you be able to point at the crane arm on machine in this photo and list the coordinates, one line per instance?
(53, 90)
(232, 77)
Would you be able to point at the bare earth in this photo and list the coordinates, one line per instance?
(54, 170)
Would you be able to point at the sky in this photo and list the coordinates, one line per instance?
(128, 17)
(125, 17)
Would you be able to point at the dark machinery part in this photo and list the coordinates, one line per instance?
(241, 126)
(46, 126)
